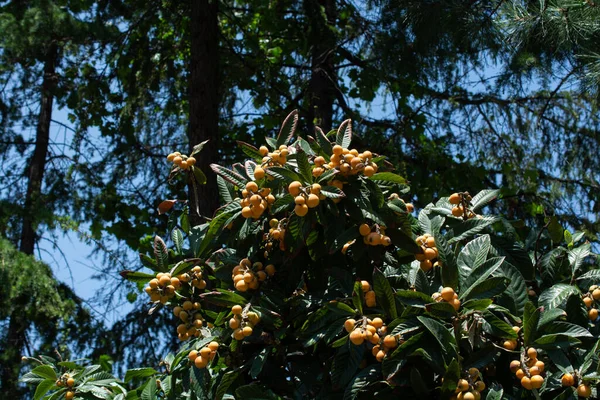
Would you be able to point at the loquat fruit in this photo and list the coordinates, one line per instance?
(584, 390)
(567, 379)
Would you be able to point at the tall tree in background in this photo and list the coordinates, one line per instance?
(204, 102)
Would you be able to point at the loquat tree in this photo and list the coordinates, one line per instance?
(316, 280)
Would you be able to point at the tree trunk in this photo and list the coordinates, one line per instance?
(204, 104)
(323, 80)
(17, 327)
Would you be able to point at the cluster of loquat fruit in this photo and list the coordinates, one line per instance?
(242, 322)
(371, 331)
(529, 370)
(270, 159)
(430, 252)
(181, 160)
(370, 298)
(348, 162)
(191, 322)
(470, 386)
(247, 275)
(305, 197)
(163, 287)
(460, 202)
(589, 299)
(66, 380)
(194, 277)
(374, 236)
(583, 389)
(254, 202)
(448, 295)
(276, 232)
(204, 356)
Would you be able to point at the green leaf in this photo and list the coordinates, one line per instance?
(531, 317)
(418, 384)
(444, 338)
(249, 150)
(283, 174)
(388, 177)
(577, 255)
(332, 192)
(556, 295)
(357, 297)
(480, 305)
(451, 378)
(177, 238)
(259, 362)
(214, 228)
(345, 364)
(473, 255)
(161, 253)
(304, 166)
(593, 275)
(229, 175)
(139, 373)
(552, 263)
(255, 392)
(441, 310)
(344, 134)
(347, 236)
(483, 198)
(198, 148)
(288, 128)
(361, 381)
(449, 266)
(549, 316)
(224, 297)
(149, 392)
(486, 289)
(43, 388)
(384, 294)
(495, 392)
(555, 230)
(199, 175)
(515, 296)
(413, 298)
(498, 327)
(45, 371)
(472, 227)
(568, 238)
(225, 190)
(479, 275)
(340, 308)
(135, 276)
(567, 329)
(323, 142)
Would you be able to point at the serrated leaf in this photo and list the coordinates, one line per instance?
(384, 293)
(42, 388)
(139, 373)
(495, 392)
(198, 148)
(483, 198)
(304, 167)
(472, 227)
(332, 192)
(473, 255)
(161, 253)
(531, 317)
(228, 378)
(449, 266)
(413, 298)
(249, 150)
(498, 327)
(259, 362)
(554, 296)
(555, 230)
(480, 274)
(577, 255)
(45, 371)
(344, 134)
(441, 310)
(149, 392)
(388, 177)
(345, 364)
(288, 128)
(224, 297)
(451, 378)
(229, 175)
(361, 381)
(177, 238)
(323, 142)
(444, 338)
(515, 296)
(357, 296)
(284, 174)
